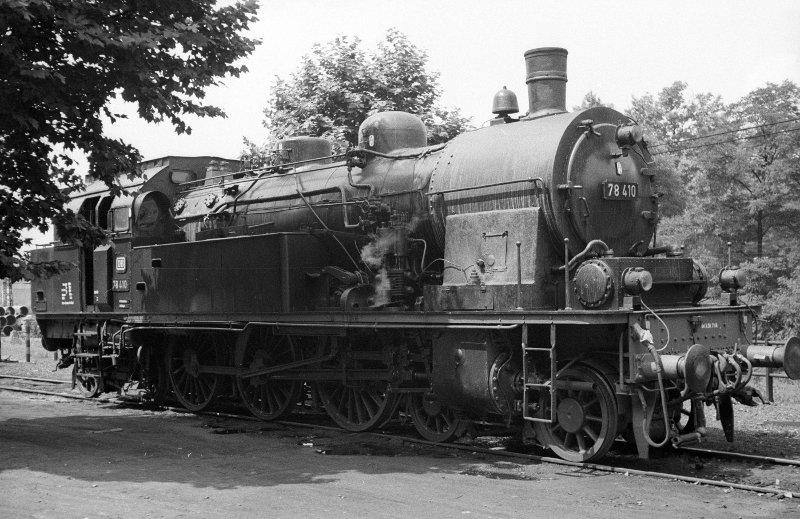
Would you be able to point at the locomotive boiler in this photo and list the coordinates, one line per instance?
(510, 275)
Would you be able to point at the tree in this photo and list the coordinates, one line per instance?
(339, 84)
(782, 308)
(671, 117)
(736, 170)
(62, 62)
(745, 177)
(757, 176)
(754, 176)
(590, 100)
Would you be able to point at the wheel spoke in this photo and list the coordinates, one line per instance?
(370, 402)
(440, 423)
(360, 406)
(337, 396)
(206, 385)
(183, 383)
(430, 422)
(581, 442)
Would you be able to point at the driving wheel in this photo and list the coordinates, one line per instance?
(586, 415)
(194, 388)
(360, 405)
(267, 397)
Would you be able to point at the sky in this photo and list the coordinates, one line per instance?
(616, 49)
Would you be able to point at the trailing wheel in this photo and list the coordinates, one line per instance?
(87, 384)
(86, 369)
(434, 421)
(360, 405)
(586, 416)
(193, 388)
(266, 397)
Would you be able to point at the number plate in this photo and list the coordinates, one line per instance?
(620, 190)
(120, 285)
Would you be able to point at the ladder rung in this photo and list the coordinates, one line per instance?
(543, 386)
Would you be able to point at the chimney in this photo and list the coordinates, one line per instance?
(547, 80)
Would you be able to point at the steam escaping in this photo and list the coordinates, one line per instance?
(374, 252)
(414, 223)
(382, 286)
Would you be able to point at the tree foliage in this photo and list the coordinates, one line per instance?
(590, 100)
(62, 62)
(732, 175)
(339, 84)
(671, 117)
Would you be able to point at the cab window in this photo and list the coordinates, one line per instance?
(120, 219)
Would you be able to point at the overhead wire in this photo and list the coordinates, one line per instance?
(747, 128)
(728, 141)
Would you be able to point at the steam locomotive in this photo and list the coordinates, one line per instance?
(508, 276)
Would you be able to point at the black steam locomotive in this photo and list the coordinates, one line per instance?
(509, 276)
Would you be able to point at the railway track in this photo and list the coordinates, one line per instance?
(499, 453)
(740, 456)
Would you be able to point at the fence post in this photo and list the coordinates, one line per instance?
(768, 378)
(27, 340)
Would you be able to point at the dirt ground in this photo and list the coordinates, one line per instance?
(65, 458)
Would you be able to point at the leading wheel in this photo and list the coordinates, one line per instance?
(194, 388)
(586, 416)
(266, 397)
(683, 417)
(434, 421)
(360, 405)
